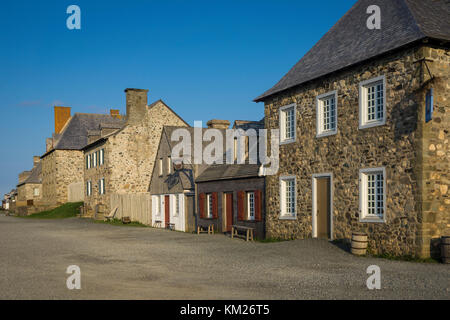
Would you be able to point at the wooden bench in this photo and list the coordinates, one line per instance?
(210, 229)
(249, 232)
(157, 224)
(126, 220)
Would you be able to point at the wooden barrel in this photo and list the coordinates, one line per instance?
(359, 243)
(445, 249)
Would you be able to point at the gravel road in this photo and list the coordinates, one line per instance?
(146, 263)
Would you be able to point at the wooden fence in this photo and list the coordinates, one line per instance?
(136, 206)
(75, 192)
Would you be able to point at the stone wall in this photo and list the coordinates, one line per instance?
(395, 146)
(435, 151)
(59, 169)
(130, 155)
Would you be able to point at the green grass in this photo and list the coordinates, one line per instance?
(118, 222)
(67, 210)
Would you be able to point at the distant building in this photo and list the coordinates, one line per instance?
(29, 189)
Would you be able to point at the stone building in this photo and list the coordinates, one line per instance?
(63, 162)
(121, 161)
(364, 132)
(29, 189)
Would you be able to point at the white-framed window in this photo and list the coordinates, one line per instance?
(372, 194)
(209, 206)
(102, 157)
(88, 161)
(94, 156)
(326, 114)
(89, 188)
(288, 123)
(36, 192)
(251, 205)
(177, 206)
(158, 205)
(160, 164)
(288, 196)
(101, 186)
(169, 165)
(372, 102)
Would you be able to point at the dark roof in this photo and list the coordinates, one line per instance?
(35, 175)
(248, 124)
(75, 135)
(228, 172)
(350, 42)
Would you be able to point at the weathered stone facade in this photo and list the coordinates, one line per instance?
(415, 154)
(130, 152)
(59, 169)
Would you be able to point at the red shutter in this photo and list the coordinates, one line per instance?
(258, 205)
(241, 205)
(215, 205)
(201, 205)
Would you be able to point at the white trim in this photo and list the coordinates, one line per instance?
(283, 215)
(249, 217)
(282, 123)
(209, 206)
(319, 114)
(314, 205)
(362, 195)
(363, 124)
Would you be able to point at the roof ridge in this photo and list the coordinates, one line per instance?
(411, 12)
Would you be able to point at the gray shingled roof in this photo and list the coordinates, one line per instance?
(248, 124)
(349, 41)
(228, 171)
(35, 175)
(75, 135)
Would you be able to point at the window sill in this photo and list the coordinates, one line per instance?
(371, 124)
(326, 134)
(287, 218)
(285, 142)
(372, 220)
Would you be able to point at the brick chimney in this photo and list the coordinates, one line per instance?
(23, 176)
(136, 105)
(36, 160)
(62, 115)
(115, 113)
(218, 124)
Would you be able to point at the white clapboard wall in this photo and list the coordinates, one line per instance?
(137, 206)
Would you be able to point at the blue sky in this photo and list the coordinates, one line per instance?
(205, 59)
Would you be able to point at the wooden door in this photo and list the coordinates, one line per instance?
(229, 211)
(323, 208)
(167, 210)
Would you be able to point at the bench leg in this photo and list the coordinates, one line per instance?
(246, 235)
(198, 230)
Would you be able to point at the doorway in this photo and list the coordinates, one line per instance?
(167, 210)
(229, 211)
(323, 206)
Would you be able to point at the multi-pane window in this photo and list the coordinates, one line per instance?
(169, 165)
(372, 102)
(157, 205)
(88, 161)
(95, 159)
(160, 167)
(326, 113)
(251, 205)
(88, 188)
(36, 192)
(287, 197)
(372, 195)
(101, 186)
(177, 205)
(287, 123)
(209, 206)
(102, 157)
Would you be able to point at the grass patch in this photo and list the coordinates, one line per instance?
(68, 210)
(118, 222)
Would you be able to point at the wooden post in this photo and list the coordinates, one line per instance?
(232, 232)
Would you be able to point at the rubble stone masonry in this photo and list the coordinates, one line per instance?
(415, 154)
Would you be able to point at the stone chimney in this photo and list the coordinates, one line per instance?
(136, 105)
(115, 113)
(218, 124)
(62, 115)
(23, 176)
(36, 160)
(48, 144)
